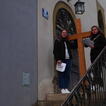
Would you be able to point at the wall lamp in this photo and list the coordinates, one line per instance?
(79, 7)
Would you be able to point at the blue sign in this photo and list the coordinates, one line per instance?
(45, 13)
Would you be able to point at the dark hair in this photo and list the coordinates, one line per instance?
(58, 37)
(99, 30)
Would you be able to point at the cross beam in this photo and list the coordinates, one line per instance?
(79, 37)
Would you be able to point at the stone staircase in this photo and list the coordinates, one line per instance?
(52, 99)
(83, 93)
(57, 99)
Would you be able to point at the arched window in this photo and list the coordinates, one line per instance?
(64, 20)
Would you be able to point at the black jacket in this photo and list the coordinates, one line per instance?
(59, 49)
(99, 43)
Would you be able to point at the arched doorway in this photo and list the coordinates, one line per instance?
(100, 20)
(63, 18)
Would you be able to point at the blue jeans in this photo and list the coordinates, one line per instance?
(64, 77)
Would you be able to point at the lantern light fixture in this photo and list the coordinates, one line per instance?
(79, 7)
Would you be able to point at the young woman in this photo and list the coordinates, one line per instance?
(99, 42)
(62, 54)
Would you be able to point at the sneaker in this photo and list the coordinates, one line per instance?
(93, 88)
(63, 91)
(67, 91)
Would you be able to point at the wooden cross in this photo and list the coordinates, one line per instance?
(79, 37)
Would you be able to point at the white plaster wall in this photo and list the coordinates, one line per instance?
(45, 50)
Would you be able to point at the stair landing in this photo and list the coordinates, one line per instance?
(53, 99)
(56, 97)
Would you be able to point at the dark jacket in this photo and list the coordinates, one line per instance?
(59, 49)
(99, 43)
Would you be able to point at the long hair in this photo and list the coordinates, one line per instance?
(99, 30)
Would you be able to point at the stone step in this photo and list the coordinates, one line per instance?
(56, 97)
(48, 103)
(53, 99)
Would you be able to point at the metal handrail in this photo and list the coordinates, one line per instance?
(90, 89)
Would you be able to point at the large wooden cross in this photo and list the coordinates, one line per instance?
(79, 37)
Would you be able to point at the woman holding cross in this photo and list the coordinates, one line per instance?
(97, 42)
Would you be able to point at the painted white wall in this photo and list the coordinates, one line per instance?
(45, 49)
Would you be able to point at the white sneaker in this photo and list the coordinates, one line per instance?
(63, 91)
(93, 88)
(67, 91)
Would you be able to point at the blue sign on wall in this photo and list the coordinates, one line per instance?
(45, 13)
